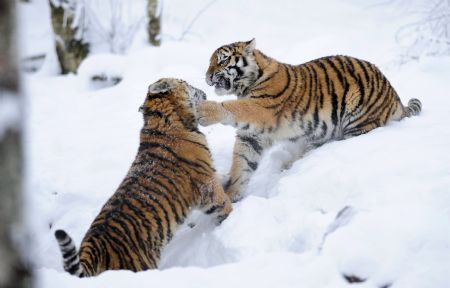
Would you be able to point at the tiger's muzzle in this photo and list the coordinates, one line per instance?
(218, 81)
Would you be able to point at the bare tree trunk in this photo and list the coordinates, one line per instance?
(70, 50)
(154, 23)
(13, 273)
(8, 69)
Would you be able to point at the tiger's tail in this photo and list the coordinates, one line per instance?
(414, 107)
(69, 253)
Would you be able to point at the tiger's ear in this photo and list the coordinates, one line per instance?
(161, 86)
(250, 46)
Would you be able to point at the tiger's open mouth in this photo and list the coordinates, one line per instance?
(222, 83)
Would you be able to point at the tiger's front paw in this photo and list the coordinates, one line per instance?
(233, 193)
(209, 112)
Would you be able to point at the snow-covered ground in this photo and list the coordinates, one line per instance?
(376, 207)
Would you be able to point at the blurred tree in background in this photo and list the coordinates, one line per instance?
(67, 22)
(12, 270)
(154, 22)
(79, 26)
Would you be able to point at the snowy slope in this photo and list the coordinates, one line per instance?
(376, 206)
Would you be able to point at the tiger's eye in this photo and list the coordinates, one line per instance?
(222, 58)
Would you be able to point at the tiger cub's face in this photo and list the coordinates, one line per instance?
(233, 68)
(182, 97)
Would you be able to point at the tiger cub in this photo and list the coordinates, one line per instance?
(330, 98)
(171, 174)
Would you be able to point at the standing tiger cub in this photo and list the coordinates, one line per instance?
(171, 174)
(326, 99)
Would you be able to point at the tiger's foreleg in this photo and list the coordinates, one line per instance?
(215, 201)
(247, 153)
(238, 113)
(250, 117)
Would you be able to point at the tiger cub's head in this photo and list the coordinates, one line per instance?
(233, 68)
(173, 99)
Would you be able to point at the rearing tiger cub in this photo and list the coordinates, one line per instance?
(171, 174)
(326, 99)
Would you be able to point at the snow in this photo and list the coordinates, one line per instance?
(35, 28)
(376, 206)
(102, 70)
(113, 24)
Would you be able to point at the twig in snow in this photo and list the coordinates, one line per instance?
(343, 217)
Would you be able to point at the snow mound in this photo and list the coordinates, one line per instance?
(102, 70)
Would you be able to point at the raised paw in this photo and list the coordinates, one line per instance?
(210, 112)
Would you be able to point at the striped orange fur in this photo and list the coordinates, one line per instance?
(330, 98)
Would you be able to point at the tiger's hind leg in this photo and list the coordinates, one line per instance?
(247, 154)
(392, 110)
(215, 201)
(359, 130)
